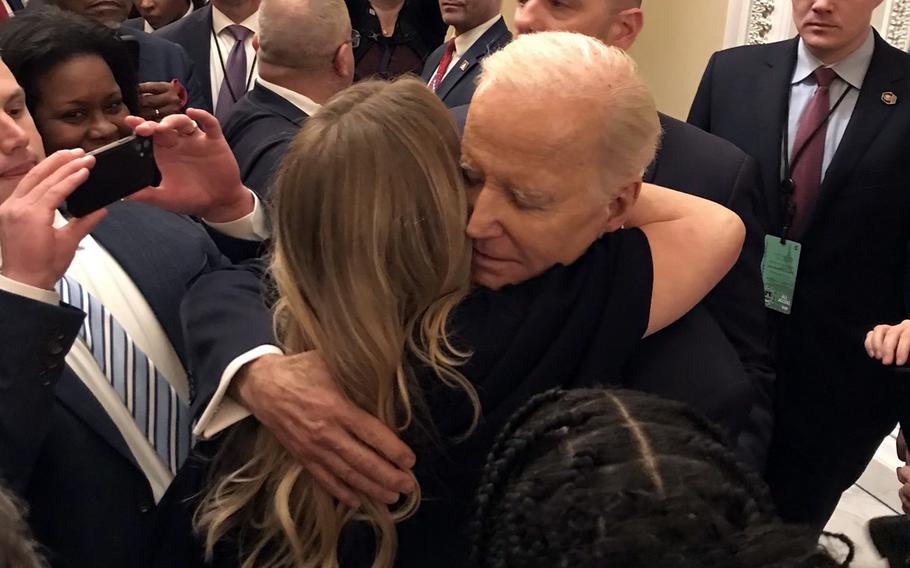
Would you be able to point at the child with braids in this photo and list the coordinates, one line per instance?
(597, 478)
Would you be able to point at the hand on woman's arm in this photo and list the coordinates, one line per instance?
(694, 243)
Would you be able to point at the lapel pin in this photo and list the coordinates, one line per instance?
(464, 65)
(889, 98)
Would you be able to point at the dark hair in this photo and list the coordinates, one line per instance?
(36, 41)
(599, 478)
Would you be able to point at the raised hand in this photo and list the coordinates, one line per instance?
(199, 174)
(34, 252)
(158, 100)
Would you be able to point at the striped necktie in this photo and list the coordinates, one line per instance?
(158, 412)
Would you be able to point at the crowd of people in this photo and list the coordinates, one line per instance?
(405, 301)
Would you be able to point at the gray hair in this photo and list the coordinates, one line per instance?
(567, 69)
(302, 34)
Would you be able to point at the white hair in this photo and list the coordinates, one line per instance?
(565, 69)
(302, 34)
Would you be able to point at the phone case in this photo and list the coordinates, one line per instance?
(121, 169)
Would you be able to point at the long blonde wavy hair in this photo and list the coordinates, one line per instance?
(370, 257)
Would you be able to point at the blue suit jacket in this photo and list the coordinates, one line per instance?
(89, 502)
(162, 60)
(458, 86)
(193, 33)
(260, 128)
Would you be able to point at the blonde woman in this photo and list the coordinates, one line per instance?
(372, 266)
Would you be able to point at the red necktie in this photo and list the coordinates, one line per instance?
(443, 65)
(4, 11)
(809, 148)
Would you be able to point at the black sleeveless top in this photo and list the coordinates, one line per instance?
(573, 326)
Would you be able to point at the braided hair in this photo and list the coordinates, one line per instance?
(598, 478)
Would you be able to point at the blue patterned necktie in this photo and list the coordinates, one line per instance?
(159, 413)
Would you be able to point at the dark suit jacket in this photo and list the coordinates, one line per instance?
(161, 60)
(194, 34)
(458, 86)
(261, 126)
(854, 247)
(698, 163)
(89, 502)
(134, 23)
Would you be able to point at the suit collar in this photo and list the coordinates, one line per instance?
(304, 104)
(491, 40)
(466, 41)
(276, 104)
(143, 249)
(197, 40)
(72, 393)
(773, 87)
(886, 74)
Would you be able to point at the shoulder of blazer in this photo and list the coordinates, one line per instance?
(746, 56)
(188, 26)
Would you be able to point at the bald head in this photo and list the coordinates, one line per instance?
(302, 34)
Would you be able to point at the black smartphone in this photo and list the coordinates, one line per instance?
(121, 169)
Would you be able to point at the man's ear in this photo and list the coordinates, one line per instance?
(625, 27)
(343, 63)
(619, 208)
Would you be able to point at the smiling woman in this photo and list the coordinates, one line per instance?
(78, 78)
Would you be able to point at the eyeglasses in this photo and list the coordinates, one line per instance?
(355, 39)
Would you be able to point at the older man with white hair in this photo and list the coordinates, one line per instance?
(545, 193)
(305, 57)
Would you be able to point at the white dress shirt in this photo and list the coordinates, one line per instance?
(851, 72)
(226, 41)
(102, 277)
(466, 41)
(303, 102)
(149, 29)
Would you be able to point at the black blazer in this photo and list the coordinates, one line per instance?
(194, 34)
(161, 60)
(89, 502)
(259, 130)
(854, 248)
(458, 86)
(698, 163)
(137, 23)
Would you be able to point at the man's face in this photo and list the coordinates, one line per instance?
(111, 13)
(466, 14)
(20, 145)
(159, 13)
(833, 29)
(534, 187)
(589, 17)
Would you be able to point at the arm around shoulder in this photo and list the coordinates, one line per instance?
(694, 243)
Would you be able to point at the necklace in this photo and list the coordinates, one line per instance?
(388, 13)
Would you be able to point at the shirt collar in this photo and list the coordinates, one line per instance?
(303, 102)
(220, 21)
(464, 41)
(851, 69)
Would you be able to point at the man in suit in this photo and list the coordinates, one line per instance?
(155, 14)
(94, 414)
(692, 161)
(161, 63)
(219, 40)
(305, 58)
(451, 71)
(826, 112)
